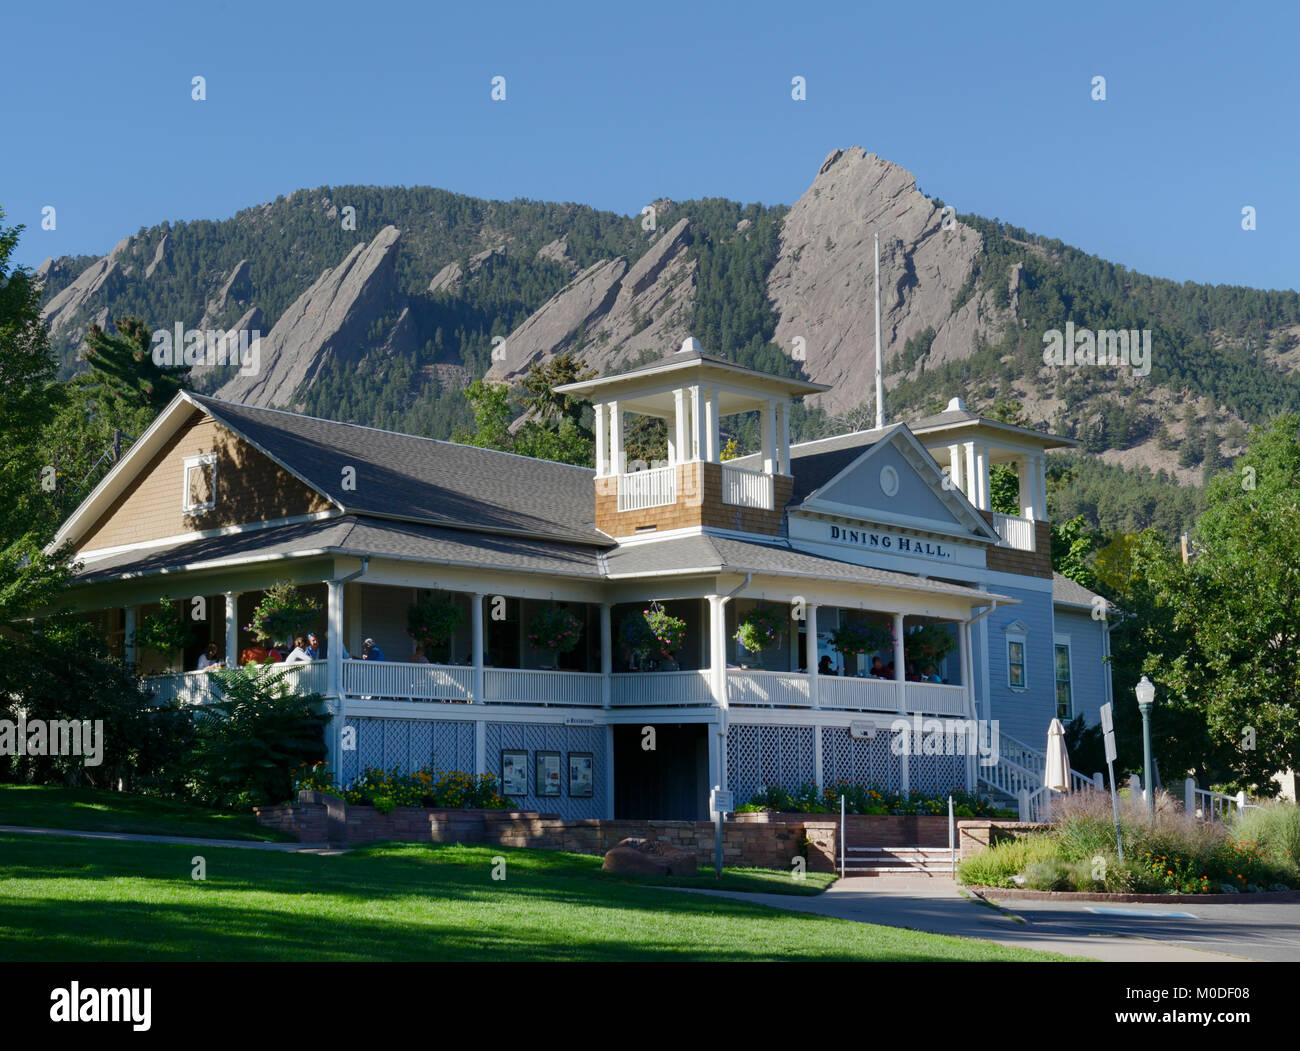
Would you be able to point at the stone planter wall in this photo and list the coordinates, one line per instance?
(977, 835)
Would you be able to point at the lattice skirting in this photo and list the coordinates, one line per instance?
(760, 756)
(549, 737)
(409, 744)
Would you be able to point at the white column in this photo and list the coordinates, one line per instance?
(982, 476)
(232, 628)
(334, 639)
(696, 442)
(718, 650)
(967, 663)
(618, 461)
(768, 422)
(955, 472)
(606, 655)
(712, 446)
(681, 411)
(810, 656)
(128, 644)
(900, 665)
(969, 475)
(784, 458)
(1040, 488)
(476, 641)
(602, 442)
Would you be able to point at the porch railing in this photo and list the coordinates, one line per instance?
(776, 689)
(197, 687)
(746, 488)
(395, 680)
(655, 487)
(1015, 531)
(525, 686)
(670, 688)
(1211, 806)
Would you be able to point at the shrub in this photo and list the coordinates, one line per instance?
(422, 788)
(1275, 827)
(1052, 874)
(249, 743)
(996, 866)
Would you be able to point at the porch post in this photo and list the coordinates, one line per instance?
(678, 450)
(954, 467)
(900, 666)
(695, 443)
(606, 655)
(970, 476)
(982, 475)
(616, 439)
(334, 639)
(128, 646)
(963, 640)
(711, 427)
(810, 657)
(767, 420)
(784, 466)
(718, 683)
(476, 640)
(232, 629)
(602, 442)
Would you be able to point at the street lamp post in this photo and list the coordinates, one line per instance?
(1146, 696)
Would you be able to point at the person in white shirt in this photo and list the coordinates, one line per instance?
(299, 654)
(211, 658)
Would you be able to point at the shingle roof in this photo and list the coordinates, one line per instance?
(813, 464)
(357, 536)
(709, 553)
(1068, 593)
(421, 479)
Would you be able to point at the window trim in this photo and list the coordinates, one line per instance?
(1013, 637)
(1057, 641)
(191, 462)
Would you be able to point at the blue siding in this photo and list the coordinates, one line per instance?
(1024, 714)
(552, 737)
(1087, 639)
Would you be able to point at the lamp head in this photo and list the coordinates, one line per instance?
(1146, 693)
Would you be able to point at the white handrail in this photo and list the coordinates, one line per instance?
(656, 487)
(1014, 531)
(747, 488)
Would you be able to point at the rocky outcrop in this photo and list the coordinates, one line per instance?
(611, 311)
(331, 319)
(449, 277)
(823, 283)
(65, 315)
(160, 253)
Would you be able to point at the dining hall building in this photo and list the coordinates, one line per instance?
(890, 527)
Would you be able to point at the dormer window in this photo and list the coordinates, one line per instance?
(200, 492)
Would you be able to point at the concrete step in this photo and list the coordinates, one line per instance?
(933, 862)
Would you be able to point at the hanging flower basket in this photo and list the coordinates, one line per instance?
(928, 643)
(433, 620)
(653, 632)
(165, 631)
(762, 628)
(284, 613)
(859, 635)
(554, 629)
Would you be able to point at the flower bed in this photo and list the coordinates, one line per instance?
(862, 798)
(425, 787)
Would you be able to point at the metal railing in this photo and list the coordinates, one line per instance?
(747, 488)
(1015, 531)
(655, 487)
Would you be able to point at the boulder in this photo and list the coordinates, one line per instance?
(649, 857)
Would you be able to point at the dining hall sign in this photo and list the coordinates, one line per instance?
(894, 543)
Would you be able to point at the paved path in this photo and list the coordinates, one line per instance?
(134, 837)
(937, 906)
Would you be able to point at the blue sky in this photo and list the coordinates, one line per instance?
(614, 105)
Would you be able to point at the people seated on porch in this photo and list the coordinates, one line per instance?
(418, 656)
(276, 653)
(314, 651)
(826, 666)
(928, 674)
(299, 654)
(878, 669)
(211, 658)
(891, 672)
(912, 674)
(371, 652)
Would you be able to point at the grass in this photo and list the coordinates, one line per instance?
(96, 810)
(87, 900)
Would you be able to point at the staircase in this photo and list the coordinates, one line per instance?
(898, 861)
(1020, 770)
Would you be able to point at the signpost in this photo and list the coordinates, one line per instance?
(1108, 734)
(720, 802)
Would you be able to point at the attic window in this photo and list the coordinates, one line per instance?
(200, 493)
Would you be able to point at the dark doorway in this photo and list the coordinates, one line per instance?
(667, 783)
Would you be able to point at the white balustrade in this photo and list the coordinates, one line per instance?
(776, 689)
(660, 688)
(199, 687)
(747, 488)
(932, 698)
(655, 487)
(1015, 531)
(400, 681)
(867, 694)
(526, 686)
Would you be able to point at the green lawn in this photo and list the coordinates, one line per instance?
(95, 810)
(89, 900)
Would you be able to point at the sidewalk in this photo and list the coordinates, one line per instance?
(938, 906)
(135, 837)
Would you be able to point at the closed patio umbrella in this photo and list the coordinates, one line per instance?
(1057, 774)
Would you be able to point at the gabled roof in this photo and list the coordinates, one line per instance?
(1066, 592)
(398, 476)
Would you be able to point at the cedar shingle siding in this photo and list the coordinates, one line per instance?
(250, 488)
